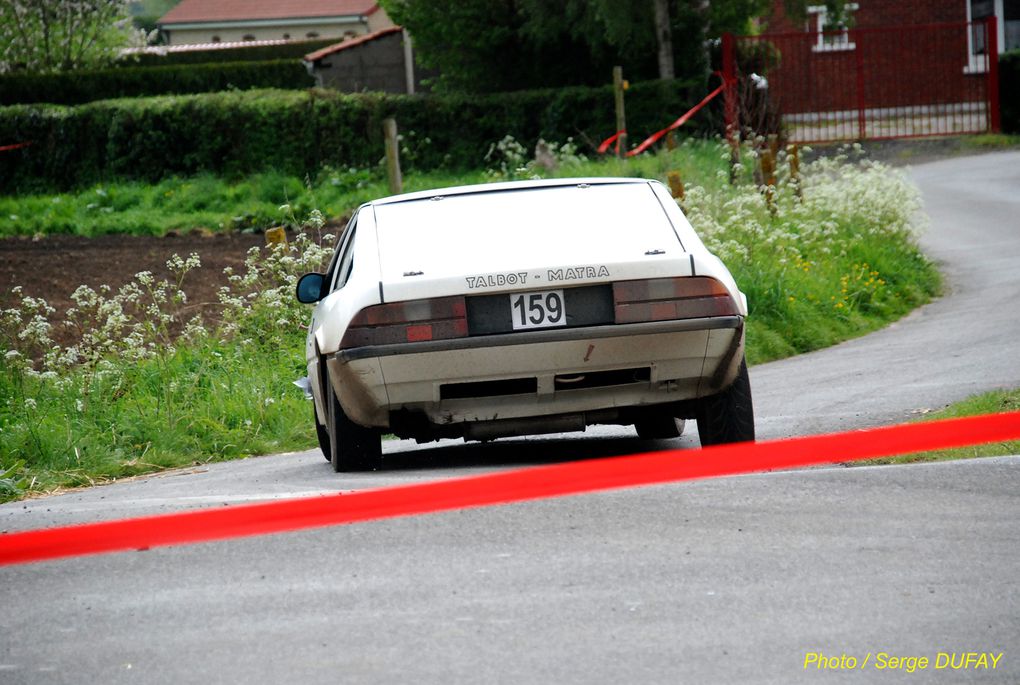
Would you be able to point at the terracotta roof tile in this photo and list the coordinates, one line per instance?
(188, 11)
(350, 43)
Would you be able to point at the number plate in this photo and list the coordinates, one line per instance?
(538, 310)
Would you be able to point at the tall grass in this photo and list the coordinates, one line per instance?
(822, 257)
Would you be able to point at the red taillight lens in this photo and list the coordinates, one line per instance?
(414, 321)
(665, 299)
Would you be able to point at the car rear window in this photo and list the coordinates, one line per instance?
(505, 230)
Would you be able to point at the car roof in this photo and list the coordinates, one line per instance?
(507, 186)
(521, 225)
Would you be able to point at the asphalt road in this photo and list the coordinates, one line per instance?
(728, 580)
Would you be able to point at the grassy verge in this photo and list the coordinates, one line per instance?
(991, 141)
(217, 204)
(180, 204)
(995, 402)
(824, 256)
(211, 401)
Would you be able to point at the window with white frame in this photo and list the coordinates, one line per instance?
(1007, 14)
(832, 31)
(1010, 25)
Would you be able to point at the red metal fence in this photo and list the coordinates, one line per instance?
(891, 82)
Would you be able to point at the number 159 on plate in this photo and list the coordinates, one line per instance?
(538, 310)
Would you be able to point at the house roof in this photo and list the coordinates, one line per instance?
(344, 45)
(197, 47)
(199, 11)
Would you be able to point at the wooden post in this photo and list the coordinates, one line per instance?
(676, 185)
(793, 157)
(619, 85)
(768, 167)
(768, 177)
(276, 237)
(392, 156)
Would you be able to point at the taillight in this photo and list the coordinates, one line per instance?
(440, 318)
(665, 299)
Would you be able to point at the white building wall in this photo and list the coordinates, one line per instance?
(289, 31)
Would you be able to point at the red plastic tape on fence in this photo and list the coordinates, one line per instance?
(16, 146)
(609, 141)
(650, 140)
(501, 488)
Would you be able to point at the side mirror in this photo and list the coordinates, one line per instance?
(310, 287)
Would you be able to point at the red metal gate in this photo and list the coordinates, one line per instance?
(891, 82)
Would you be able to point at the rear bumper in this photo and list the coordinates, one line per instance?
(539, 373)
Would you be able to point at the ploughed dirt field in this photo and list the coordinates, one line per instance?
(52, 267)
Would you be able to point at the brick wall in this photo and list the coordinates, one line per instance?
(375, 65)
(879, 13)
(893, 58)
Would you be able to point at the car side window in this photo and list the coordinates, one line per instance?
(338, 252)
(335, 259)
(345, 261)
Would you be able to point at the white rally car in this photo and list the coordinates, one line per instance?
(521, 308)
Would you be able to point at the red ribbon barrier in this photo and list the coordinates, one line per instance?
(609, 141)
(5, 148)
(650, 140)
(500, 488)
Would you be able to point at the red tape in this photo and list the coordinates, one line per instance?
(500, 488)
(5, 148)
(650, 140)
(609, 141)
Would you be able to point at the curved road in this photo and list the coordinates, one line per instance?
(728, 580)
(965, 343)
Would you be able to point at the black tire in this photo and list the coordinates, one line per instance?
(322, 429)
(659, 426)
(352, 447)
(322, 433)
(728, 416)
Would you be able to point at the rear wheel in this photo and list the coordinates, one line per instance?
(659, 427)
(728, 416)
(352, 447)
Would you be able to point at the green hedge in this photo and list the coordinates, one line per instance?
(78, 87)
(1009, 91)
(255, 53)
(240, 132)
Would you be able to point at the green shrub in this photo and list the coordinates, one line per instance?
(1009, 91)
(298, 132)
(72, 88)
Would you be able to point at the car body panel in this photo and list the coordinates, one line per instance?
(681, 365)
(506, 238)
